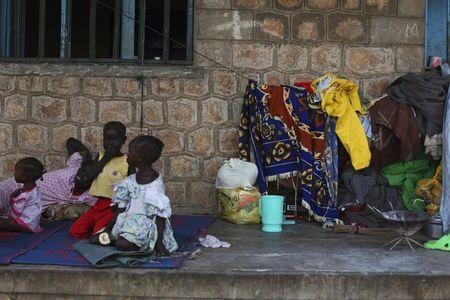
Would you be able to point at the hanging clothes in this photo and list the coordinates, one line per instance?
(445, 200)
(340, 99)
(313, 98)
(287, 139)
(331, 158)
(397, 134)
(367, 125)
(425, 92)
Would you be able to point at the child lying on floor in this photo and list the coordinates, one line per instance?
(21, 210)
(60, 195)
(143, 222)
(60, 192)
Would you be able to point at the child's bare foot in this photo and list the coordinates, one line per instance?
(124, 245)
(160, 249)
(102, 238)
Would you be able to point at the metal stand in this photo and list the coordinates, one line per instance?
(405, 223)
(397, 241)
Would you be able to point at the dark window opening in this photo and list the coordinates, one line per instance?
(31, 31)
(104, 36)
(80, 29)
(52, 28)
(154, 18)
(96, 30)
(178, 25)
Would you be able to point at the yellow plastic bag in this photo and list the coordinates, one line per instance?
(239, 206)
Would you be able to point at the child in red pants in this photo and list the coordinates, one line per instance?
(109, 167)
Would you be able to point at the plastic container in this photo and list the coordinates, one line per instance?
(271, 210)
(433, 228)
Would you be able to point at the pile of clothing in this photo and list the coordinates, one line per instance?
(348, 158)
(363, 192)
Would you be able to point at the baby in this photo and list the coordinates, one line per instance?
(144, 209)
(21, 210)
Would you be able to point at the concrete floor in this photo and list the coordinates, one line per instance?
(307, 248)
(302, 262)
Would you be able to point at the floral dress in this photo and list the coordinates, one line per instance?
(143, 203)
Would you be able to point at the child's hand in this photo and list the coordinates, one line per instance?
(110, 151)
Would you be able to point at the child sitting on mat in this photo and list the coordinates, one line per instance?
(143, 222)
(21, 210)
(109, 167)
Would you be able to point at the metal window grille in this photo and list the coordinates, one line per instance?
(126, 24)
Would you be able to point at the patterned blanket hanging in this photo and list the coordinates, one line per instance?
(286, 137)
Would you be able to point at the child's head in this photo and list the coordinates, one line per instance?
(144, 150)
(28, 170)
(114, 135)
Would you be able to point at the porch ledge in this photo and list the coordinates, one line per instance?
(99, 70)
(302, 262)
(64, 282)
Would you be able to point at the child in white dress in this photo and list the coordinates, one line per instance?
(144, 223)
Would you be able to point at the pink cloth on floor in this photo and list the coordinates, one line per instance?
(26, 209)
(57, 186)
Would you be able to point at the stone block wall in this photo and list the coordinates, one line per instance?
(195, 109)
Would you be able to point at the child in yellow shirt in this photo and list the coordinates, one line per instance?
(109, 167)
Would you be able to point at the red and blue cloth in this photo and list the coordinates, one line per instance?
(54, 246)
(286, 137)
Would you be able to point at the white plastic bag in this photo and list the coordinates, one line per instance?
(236, 174)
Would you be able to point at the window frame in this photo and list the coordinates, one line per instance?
(17, 28)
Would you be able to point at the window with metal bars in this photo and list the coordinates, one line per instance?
(110, 31)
